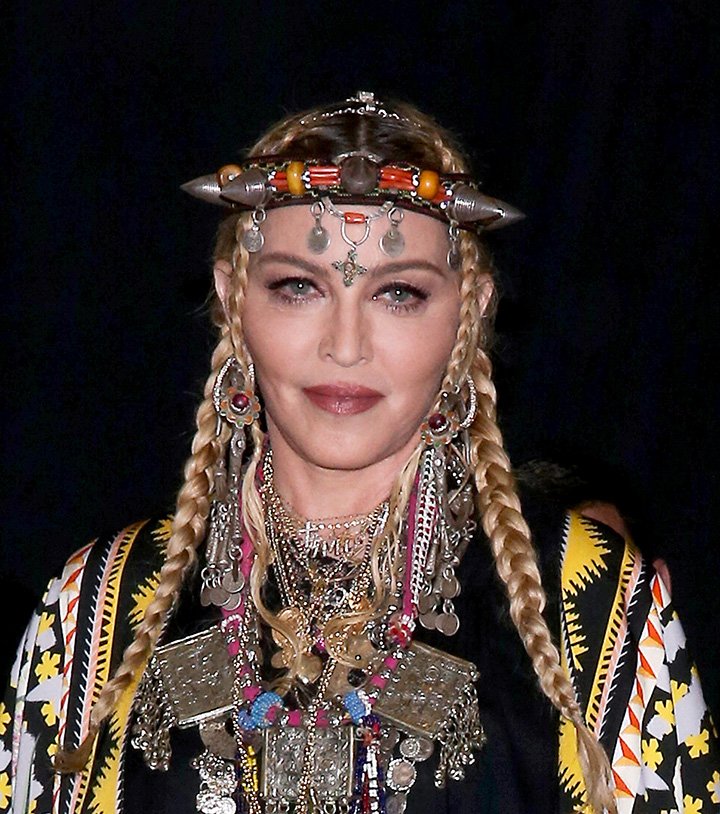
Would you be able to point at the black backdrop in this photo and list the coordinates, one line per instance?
(597, 118)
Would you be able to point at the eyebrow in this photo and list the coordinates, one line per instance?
(395, 267)
(293, 260)
(398, 266)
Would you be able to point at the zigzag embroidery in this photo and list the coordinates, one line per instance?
(141, 597)
(616, 676)
(99, 656)
(108, 785)
(626, 762)
(69, 597)
(103, 787)
(112, 591)
(98, 594)
(85, 694)
(582, 564)
(161, 533)
(614, 640)
(570, 775)
(585, 552)
(575, 637)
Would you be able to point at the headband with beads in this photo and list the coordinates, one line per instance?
(361, 178)
(357, 177)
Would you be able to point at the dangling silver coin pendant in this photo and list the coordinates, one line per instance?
(253, 240)
(318, 239)
(392, 243)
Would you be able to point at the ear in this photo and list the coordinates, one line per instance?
(222, 272)
(485, 293)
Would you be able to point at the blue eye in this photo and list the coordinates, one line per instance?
(297, 287)
(401, 296)
(293, 289)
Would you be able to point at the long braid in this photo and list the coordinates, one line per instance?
(509, 535)
(188, 532)
(517, 566)
(502, 519)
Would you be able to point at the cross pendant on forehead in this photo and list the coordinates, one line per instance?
(350, 267)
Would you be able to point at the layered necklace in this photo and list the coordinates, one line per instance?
(323, 572)
(331, 702)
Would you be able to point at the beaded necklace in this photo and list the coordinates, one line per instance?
(311, 735)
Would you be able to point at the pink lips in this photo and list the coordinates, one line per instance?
(343, 399)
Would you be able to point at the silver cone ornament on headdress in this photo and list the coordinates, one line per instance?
(356, 179)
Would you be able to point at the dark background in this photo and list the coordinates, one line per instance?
(598, 119)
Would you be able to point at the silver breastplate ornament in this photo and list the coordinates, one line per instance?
(428, 705)
(342, 741)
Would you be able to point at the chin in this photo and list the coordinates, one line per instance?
(347, 456)
(347, 450)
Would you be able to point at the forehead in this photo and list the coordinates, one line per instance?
(291, 224)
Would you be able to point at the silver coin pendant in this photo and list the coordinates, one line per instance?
(392, 243)
(253, 240)
(318, 239)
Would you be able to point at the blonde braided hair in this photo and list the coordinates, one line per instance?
(497, 498)
(188, 532)
(505, 527)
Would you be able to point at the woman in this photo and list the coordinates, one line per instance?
(296, 637)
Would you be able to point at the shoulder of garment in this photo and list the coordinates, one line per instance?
(71, 646)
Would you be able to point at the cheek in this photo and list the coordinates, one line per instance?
(273, 337)
(416, 357)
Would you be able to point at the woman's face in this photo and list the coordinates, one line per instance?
(348, 372)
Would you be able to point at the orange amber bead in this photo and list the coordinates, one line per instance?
(428, 184)
(294, 172)
(227, 173)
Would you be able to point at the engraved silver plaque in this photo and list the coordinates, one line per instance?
(283, 751)
(197, 676)
(421, 698)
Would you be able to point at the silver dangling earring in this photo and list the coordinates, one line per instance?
(445, 522)
(235, 402)
(453, 415)
(234, 399)
(318, 238)
(253, 239)
(392, 243)
(453, 255)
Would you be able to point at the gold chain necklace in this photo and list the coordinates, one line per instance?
(316, 587)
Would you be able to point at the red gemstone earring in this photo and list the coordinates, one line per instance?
(452, 416)
(235, 402)
(233, 397)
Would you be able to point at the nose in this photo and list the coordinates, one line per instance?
(346, 338)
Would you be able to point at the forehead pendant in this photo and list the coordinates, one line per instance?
(349, 266)
(318, 239)
(392, 243)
